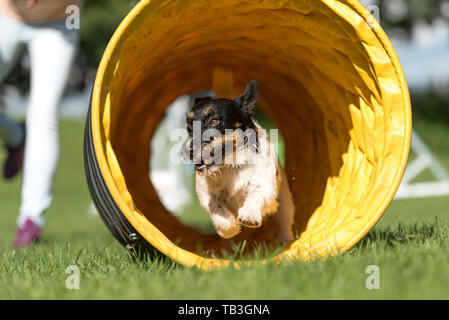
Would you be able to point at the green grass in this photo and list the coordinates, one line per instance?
(409, 245)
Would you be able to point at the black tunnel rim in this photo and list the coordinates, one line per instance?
(108, 209)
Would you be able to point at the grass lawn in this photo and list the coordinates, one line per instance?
(409, 245)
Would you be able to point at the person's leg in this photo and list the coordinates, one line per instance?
(11, 133)
(51, 51)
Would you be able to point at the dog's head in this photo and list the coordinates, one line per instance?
(215, 125)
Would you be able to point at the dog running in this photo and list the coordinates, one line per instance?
(238, 178)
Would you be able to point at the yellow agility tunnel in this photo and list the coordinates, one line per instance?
(329, 79)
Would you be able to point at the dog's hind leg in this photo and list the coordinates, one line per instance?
(286, 211)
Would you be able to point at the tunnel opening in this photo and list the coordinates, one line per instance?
(331, 83)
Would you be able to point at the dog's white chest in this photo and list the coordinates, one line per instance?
(232, 186)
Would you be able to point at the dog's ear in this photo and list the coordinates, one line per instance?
(247, 101)
(200, 99)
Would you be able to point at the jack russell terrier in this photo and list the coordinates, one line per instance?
(238, 178)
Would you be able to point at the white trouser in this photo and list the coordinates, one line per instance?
(52, 48)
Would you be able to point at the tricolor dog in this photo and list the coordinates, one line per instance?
(238, 178)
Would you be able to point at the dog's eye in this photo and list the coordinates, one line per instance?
(214, 122)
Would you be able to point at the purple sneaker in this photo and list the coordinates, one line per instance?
(14, 160)
(27, 235)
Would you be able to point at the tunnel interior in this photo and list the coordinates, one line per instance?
(328, 80)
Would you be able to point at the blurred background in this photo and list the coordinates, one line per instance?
(409, 242)
(418, 29)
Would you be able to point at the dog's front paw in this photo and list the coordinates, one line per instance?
(228, 233)
(226, 226)
(250, 219)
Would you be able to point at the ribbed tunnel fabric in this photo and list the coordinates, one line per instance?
(330, 81)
